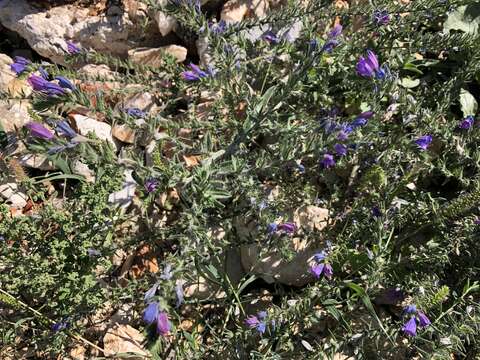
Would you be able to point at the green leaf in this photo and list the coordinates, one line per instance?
(413, 68)
(468, 103)
(465, 18)
(410, 83)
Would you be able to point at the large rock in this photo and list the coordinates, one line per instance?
(46, 31)
(85, 125)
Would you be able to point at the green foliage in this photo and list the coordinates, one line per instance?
(244, 148)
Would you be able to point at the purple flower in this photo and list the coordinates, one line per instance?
(43, 73)
(72, 48)
(150, 292)
(328, 271)
(340, 149)
(195, 74)
(410, 327)
(466, 123)
(150, 313)
(179, 293)
(423, 320)
(65, 83)
(313, 45)
(135, 112)
(367, 67)
(262, 315)
(64, 129)
(271, 228)
(270, 37)
(151, 185)
(376, 212)
(381, 17)
(40, 84)
(163, 324)
(327, 161)
(261, 327)
(218, 28)
(477, 221)
(252, 321)
(317, 270)
(410, 309)
(93, 252)
(19, 64)
(330, 45)
(58, 326)
(39, 131)
(342, 135)
(335, 32)
(288, 227)
(319, 257)
(383, 72)
(423, 142)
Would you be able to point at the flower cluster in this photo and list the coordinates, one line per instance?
(332, 41)
(343, 132)
(415, 317)
(19, 65)
(196, 73)
(285, 228)
(153, 313)
(369, 66)
(467, 122)
(259, 322)
(321, 266)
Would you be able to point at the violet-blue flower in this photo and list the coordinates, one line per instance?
(65, 83)
(424, 142)
(72, 48)
(252, 321)
(410, 309)
(367, 67)
(340, 149)
(410, 327)
(40, 84)
(330, 45)
(151, 185)
(423, 320)
(288, 227)
(327, 161)
(194, 74)
(466, 123)
(93, 252)
(335, 32)
(317, 270)
(271, 228)
(328, 271)
(381, 17)
(135, 112)
(63, 128)
(150, 313)
(163, 324)
(19, 64)
(43, 73)
(39, 131)
(271, 37)
(58, 326)
(150, 293)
